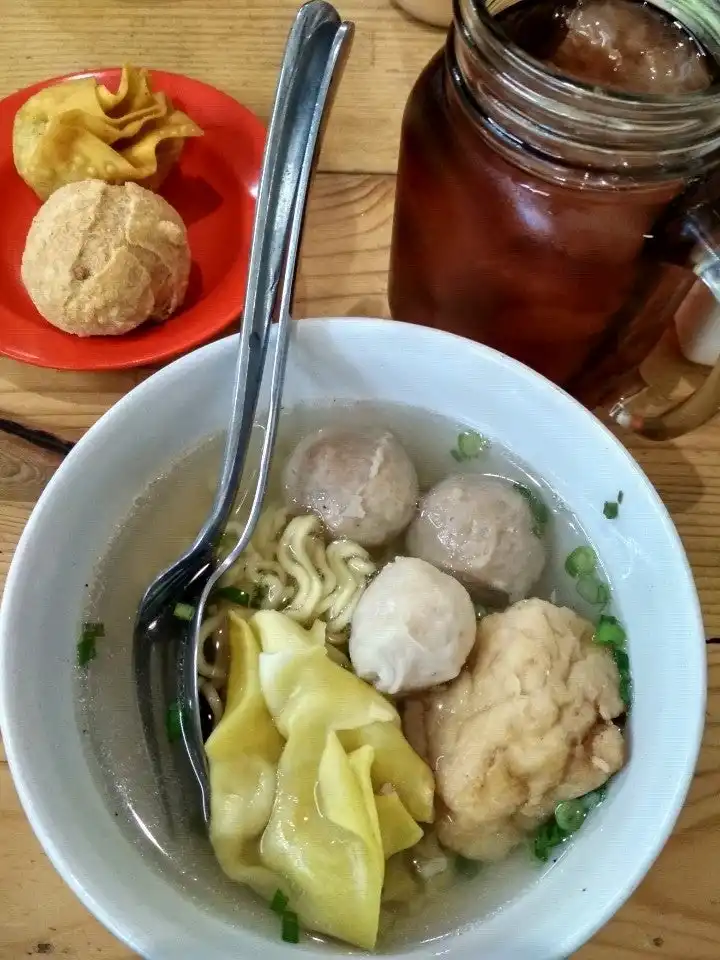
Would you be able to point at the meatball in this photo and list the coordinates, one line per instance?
(412, 628)
(481, 530)
(525, 726)
(100, 260)
(362, 485)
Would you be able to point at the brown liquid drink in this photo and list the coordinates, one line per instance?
(547, 217)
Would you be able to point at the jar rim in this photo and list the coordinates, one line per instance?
(556, 81)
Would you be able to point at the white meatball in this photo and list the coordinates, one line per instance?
(414, 627)
(362, 485)
(482, 531)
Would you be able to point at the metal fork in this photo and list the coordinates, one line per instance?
(315, 56)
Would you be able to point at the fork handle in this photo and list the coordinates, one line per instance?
(316, 53)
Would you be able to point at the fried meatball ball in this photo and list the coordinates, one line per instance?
(526, 725)
(362, 484)
(103, 259)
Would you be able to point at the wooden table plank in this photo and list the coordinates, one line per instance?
(236, 46)
(675, 915)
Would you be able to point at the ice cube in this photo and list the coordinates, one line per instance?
(630, 46)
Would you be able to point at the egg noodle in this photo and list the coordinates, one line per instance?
(288, 565)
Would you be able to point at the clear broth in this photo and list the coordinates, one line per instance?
(165, 519)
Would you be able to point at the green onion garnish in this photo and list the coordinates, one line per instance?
(184, 611)
(290, 927)
(581, 562)
(570, 815)
(611, 509)
(625, 689)
(548, 836)
(466, 868)
(622, 662)
(173, 725)
(480, 611)
(233, 595)
(593, 591)
(539, 510)
(620, 496)
(86, 648)
(279, 902)
(595, 798)
(610, 633)
(470, 444)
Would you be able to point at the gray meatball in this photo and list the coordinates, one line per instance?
(480, 530)
(361, 484)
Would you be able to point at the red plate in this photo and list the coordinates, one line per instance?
(213, 189)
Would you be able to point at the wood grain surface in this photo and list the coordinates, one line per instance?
(236, 45)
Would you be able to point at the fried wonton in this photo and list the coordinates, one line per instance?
(80, 130)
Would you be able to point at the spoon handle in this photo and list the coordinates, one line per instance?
(315, 56)
(296, 102)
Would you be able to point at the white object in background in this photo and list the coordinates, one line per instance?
(437, 12)
(698, 326)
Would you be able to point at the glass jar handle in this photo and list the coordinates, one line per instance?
(701, 228)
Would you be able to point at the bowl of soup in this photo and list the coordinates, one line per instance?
(452, 693)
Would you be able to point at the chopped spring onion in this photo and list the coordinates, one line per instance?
(625, 689)
(481, 611)
(173, 725)
(568, 818)
(610, 633)
(548, 837)
(279, 902)
(620, 496)
(594, 799)
(571, 815)
(466, 868)
(86, 648)
(539, 510)
(242, 598)
(622, 661)
(581, 562)
(184, 611)
(233, 595)
(593, 591)
(290, 927)
(611, 509)
(470, 444)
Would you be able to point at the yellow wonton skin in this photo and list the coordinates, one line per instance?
(243, 752)
(78, 130)
(328, 834)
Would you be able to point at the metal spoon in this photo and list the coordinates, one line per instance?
(315, 55)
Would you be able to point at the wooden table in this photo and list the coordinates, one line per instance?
(236, 45)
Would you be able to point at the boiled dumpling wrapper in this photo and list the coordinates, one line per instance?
(338, 809)
(243, 752)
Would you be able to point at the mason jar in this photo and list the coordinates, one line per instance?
(558, 221)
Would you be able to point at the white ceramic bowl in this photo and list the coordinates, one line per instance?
(350, 359)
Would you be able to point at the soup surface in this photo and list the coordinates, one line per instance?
(164, 521)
